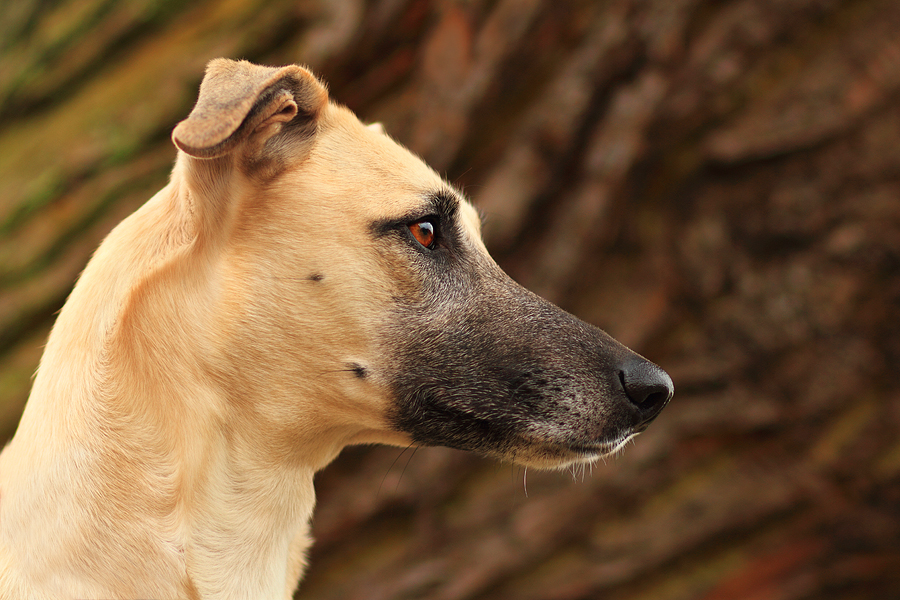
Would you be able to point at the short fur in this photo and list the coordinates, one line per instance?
(265, 309)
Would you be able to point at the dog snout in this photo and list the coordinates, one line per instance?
(647, 387)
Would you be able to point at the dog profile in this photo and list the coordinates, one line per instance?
(301, 284)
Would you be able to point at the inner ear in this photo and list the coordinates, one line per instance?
(287, 112)
(280, 109)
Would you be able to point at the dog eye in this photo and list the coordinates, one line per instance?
(424, 232)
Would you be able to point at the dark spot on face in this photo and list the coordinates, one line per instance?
(358, 370)
(316, 277)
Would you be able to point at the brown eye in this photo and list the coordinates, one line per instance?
(423, 231)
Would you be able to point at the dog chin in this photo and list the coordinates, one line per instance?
(594, 452)
(548, 455)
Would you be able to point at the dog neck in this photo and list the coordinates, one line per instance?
(158, 435)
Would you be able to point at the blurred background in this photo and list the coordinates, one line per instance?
(717, 184)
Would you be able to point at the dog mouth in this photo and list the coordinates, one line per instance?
(596, 451)
(557, 454)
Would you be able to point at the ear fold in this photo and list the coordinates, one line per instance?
(239, 100)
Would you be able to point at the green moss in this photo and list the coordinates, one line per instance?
(39, 193)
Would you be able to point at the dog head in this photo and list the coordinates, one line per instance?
(361, 302)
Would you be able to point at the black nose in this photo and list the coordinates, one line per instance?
(647, 386)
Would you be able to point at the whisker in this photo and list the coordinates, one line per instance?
(337, 371)
(390, 468)
(306, 279)
(408, 460)
(525, 481)
(461, 175)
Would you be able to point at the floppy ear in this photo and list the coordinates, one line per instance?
(242, 102)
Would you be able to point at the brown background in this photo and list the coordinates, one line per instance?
(715, 183)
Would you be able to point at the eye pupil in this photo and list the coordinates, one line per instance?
(423, 231)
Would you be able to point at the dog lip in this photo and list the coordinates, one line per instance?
(642, 427)
(588, 450)
(601, 448)
(604, 447)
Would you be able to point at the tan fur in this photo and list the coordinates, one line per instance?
(154, 461)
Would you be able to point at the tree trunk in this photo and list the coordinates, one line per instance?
(717, 184)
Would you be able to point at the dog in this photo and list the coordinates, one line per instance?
(302, 283)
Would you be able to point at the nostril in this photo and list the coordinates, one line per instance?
(647, 386)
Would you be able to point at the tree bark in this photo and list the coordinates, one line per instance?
(717, 184)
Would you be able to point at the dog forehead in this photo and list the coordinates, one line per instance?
(381, 155)
(363, 162)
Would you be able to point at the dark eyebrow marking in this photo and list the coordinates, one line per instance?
(443, 204)
(446, 204)
(457, 197)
